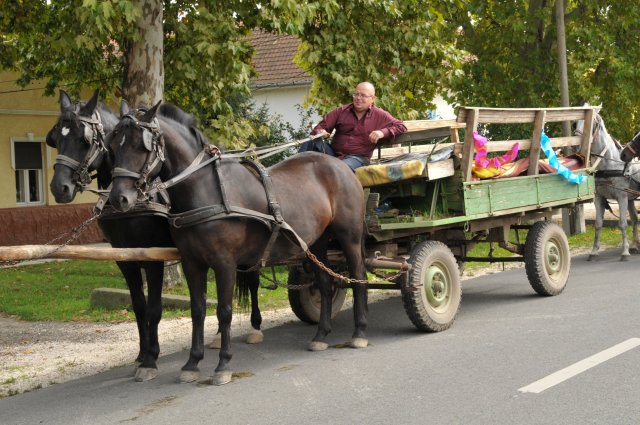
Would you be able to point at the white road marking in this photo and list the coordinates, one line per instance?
(579, 367)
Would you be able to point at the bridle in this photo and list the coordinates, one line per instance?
(94, 136)
(154, 144)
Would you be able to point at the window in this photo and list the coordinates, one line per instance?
(27, 163)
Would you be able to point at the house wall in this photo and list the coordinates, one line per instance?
(27, 115)
(283, 101)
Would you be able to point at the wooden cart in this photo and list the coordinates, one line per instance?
(429, 223)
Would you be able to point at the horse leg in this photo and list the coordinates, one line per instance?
(324, 283)
(251, 280)
(255, 334)
(225, 279)
(154, 272)
(633, 215)
(353, 249)
(196, 276)
(133, 276)
(599, 204)
(622, 205)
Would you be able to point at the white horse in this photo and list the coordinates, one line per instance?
(613, 181)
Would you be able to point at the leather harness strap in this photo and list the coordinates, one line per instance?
(274, 221)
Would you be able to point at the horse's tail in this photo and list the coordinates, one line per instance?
(608, 206)
(243, 285)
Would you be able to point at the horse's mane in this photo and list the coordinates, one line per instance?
(186, 120)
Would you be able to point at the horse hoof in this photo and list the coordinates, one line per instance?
(592, 257)
(145, 374)
(624, 258)
(255, 336)
(187, 376)
(216, 343)
(358, 342)
(221, 378)
(318, 346)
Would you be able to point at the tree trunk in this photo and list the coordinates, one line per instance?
(144, 73)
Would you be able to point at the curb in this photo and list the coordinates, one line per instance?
(112, 298)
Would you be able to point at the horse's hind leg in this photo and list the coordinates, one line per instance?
(355, 261)
(623, 205)
(155, 276)
(252, 282)
(633, 215)
(255, 334)
(599, 205)
(324, 283)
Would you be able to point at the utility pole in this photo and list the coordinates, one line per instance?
(572, 218)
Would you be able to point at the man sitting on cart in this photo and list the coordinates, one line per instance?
(358, 126)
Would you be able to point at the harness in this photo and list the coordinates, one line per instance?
(154, 143)
(94, 136)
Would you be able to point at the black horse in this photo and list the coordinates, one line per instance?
(631, 150)
(226, 216)
(79, 138)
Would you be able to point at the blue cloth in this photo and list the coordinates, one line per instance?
(545, 143)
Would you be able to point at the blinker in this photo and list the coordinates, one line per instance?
(88, 133)
(147, 139)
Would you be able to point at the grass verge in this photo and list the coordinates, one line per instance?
(60, 290)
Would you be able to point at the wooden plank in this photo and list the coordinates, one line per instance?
(525, 144)
(585, 146)
(466, 163)
(417, 125)
(395, 151)
(534, 149)
(425, 134)
(522, 115)
(36, 252)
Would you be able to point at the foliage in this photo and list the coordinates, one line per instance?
(513, 60)
(406, 49)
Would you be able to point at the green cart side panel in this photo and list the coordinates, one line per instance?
(469, 201)
(492, 196)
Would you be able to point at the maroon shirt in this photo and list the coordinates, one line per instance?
(352, 135)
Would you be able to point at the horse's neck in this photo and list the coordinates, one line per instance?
(200, 189)
(104, 172)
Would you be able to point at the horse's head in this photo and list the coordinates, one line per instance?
(602, 144)
(631, 149)
(137, 146)
(79, 138)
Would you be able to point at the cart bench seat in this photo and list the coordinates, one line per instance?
(407, 166)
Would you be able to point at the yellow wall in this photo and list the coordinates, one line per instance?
(26, 112)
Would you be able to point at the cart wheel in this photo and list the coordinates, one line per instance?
(433, 295)
(547, 258)
(305, 302)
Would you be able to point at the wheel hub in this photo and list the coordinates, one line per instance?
(552, 257)
(436, 286)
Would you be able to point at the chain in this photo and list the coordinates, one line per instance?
(75, 234)
(348, 280)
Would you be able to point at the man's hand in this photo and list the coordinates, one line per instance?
(323, 133)
(375, 135)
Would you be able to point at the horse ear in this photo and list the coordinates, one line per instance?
(88, 109)
(151, 113)
(124, 108)
(65, 102)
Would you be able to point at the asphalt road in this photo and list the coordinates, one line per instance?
(512, 357)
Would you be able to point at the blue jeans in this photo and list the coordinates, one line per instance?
(353, 161)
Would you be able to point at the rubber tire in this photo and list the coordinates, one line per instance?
(547, 258)
(435, 258)
(305, 302)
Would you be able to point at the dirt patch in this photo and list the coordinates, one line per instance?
(39, 354)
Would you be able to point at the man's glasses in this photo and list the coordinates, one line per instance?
(361, 95)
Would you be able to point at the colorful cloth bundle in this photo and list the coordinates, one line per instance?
(485, 168)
